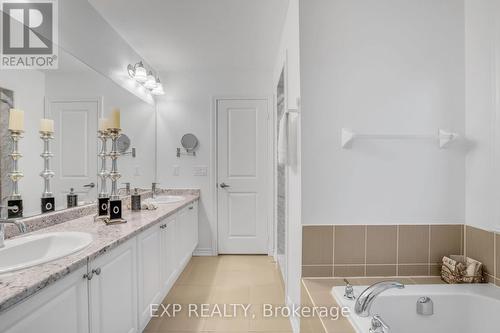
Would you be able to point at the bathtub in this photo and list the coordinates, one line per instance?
(457, 309)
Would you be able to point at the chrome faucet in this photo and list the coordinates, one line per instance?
(20, 225)
(365, 300)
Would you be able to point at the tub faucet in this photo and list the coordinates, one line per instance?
(20, 225)
(365, 300)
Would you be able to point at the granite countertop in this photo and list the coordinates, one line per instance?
(318, 293)
(18, 285)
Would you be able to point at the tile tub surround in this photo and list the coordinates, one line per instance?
(42, 221)
(316, 292)
(378, 250)
(16, 286)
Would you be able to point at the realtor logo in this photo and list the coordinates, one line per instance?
(29, 34)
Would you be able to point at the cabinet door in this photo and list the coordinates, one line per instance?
(113, 292)
(60, 308)
(149, 271)
(192, 218)
(182, 236)
(168, 254)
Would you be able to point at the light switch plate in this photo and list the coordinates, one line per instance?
(200, 170)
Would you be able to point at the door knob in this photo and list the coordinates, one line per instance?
(224, 185)
(91, 185)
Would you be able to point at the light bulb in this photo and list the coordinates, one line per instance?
(151, 82)
(141, 75)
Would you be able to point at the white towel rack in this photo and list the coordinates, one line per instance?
(444, 137)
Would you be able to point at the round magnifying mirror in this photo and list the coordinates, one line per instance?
(123, 143)
(189, 142)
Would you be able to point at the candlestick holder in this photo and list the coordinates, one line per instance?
(15, 175)
(48, 200)
(103, 197)
(115, 203)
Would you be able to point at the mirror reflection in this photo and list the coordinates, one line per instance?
(56, 115)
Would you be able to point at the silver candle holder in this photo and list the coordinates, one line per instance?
(15, 175)
(48, 200)
(103, 197)
(103, 155)
(115, 203)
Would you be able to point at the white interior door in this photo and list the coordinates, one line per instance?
(243, 175)
(75, 149)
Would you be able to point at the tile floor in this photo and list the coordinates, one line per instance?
(247, 280)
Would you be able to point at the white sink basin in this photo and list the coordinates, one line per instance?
(34, 250)
(168, 199)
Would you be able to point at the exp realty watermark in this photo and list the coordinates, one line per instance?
(29, 34)
(246, 311)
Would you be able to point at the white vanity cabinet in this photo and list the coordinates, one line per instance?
(60, 308)
(113, 290)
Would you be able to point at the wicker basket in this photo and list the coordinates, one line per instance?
(460, 269)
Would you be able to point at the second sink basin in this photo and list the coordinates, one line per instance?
(34, 250)
(168, 199)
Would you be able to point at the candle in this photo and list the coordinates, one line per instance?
(114, 121)
(47, 125)
(103, 124)
(16, 120)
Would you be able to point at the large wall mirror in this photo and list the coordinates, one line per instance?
(74, 96)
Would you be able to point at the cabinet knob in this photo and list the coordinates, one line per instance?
(89, 276)
(97, 271)
(191, 208)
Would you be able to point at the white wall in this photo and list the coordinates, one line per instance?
(186, 108)
(483, 113)
(29, 94)
(386, 66)
(289, 55)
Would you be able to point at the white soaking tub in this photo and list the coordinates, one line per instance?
(457, 309)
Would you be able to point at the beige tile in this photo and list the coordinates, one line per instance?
(185, 294)
(267, 294)
(348, 271)
(480, 246)
(317, 271)
(381, 270)
(349, 245)
(381, 244)
(435, 270)
(181, 322)
(428, 280)
(413, 244)
(368, 281)
(445, 240)
(274, 323)
(317, 245)
(413, 270)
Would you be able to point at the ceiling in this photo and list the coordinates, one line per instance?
(199, 34)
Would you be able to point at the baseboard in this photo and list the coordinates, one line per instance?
(207, 252)
(294, 321)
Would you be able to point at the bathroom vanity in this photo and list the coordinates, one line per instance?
(110, 285)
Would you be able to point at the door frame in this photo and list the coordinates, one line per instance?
(214, 220)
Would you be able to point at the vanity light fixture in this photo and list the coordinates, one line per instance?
(138, 73)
